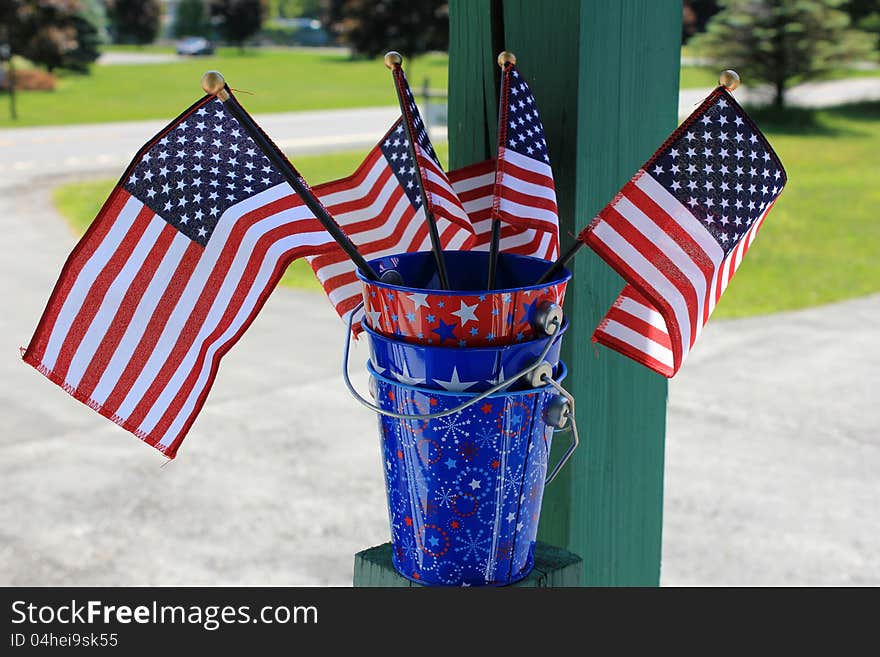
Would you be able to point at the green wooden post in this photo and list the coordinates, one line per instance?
(605, 75)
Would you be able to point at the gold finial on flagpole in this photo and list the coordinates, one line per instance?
(729, 79)
(214, 84)
(505, 57)
(393, 58)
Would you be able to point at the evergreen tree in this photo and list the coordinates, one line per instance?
(777, 41)
(373, 27)
(238, 20)
(865, 15)
(95, 12)
(191, 19)
(135, 21)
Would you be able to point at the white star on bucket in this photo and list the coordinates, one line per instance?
(455, 384)
(419, 299)
(466, 313)
(407, 377)
(374, 318)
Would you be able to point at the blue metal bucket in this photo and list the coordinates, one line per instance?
(465, 490)
(473, 369)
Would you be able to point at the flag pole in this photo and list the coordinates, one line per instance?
(561, 262)
(393, 61)
(728, 79)
(214, 84)
(504, 58)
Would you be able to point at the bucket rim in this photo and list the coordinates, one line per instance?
(563, 276)
(449, 349)
(559, 376)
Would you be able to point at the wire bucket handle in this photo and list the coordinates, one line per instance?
(559, 413)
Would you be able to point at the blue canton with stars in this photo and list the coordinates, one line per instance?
(419, 128)
(395, 148)
(721, 167)
(525, 133)
(202, 165)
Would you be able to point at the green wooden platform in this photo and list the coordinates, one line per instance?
(553, 567)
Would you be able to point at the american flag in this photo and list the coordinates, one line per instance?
(379, 215)
(475, 186)
(170, 274)
(380, 209)
(442, 201)
(679, 229)
(524, 192)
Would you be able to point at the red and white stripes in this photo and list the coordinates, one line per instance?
(375, 212)
(474, 185)
(525, 192)
(142, 315)
(677, 270)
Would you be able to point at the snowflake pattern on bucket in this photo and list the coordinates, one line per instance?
(464, 497)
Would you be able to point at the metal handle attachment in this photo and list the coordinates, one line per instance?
(558, 415)
(451, 411)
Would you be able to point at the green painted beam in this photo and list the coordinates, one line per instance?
(605, 75)
(475, 38)
(554, 567)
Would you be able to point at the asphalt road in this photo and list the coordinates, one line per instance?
(91, 149)
(772, 451)
(280, 484)
(109, 147)
(828, 93)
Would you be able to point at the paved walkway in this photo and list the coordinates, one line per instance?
(829, 93)
(119, 58)
(772, 456)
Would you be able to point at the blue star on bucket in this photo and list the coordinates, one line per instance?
(529, 309)
(444, 331)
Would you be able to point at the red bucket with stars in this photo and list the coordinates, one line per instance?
(467, 315)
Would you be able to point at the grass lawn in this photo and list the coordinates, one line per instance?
(80, 202)
(820, 244)
(280, 81)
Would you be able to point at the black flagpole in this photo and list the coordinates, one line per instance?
(214, 84)
(494, 245)
(504, 59)
(560, 263)
(393, 61)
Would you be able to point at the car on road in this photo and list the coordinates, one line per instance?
(306, 31)
(194, 46)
